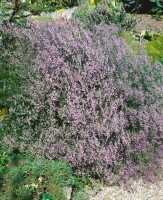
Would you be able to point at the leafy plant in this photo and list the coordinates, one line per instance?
(87, 6)
(38, 178)
(10, 81)
(3, 159)
(17, 11)
(45, 196)
(150, 36)
(3, 154)
(57, 192)
(158, 8)
(18, 178)
(146, 36)
(155, 49)
(108, 13)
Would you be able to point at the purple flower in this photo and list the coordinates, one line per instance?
(87, 99)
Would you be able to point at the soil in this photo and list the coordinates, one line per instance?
(148, 23)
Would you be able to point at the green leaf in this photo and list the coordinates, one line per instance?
(159, 4)
(45, 196)
(2, 168)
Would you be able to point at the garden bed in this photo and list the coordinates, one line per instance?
(82, 105)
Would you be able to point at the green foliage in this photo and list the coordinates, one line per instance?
(18, 178)
(140, 158)
(78, 195)
(14, 158)
(56, 192)
(31, 177)
(10, 81)
(61, 173)
(18, 193)
(87, 7)
(14, 10)
(18, 10)
(3, 160)
(104, 12)
(158, 8)
(3, 154)
(155, 49)
(150, 35)
(45, 196)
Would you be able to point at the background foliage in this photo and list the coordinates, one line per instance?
(19, 10)
(104, 12)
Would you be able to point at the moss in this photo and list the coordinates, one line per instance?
(155, 49)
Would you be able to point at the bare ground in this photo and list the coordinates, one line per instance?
(149, 23)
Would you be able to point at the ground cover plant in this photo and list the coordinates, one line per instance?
(87, 100)
(24, 176)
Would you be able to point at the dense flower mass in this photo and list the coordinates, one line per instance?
(87, 100)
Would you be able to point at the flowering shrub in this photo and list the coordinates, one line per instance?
(87, 100)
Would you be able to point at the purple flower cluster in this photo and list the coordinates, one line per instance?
(88, 100)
